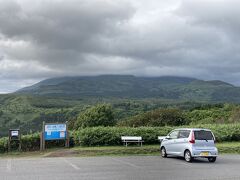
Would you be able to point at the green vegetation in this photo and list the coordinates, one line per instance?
(229, 147)
(224, 147)
(28, 112)
(29, 143)
(80, 151)
(100, 115)
(204, 114)
(158, 117)
(131, 87)
(117, 150)
(111, 136)
(101, 109)
(135, 101)
(99, 136)
(218, 114)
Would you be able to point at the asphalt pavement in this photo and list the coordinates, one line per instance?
(116, 168)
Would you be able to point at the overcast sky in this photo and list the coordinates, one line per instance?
(50, 38)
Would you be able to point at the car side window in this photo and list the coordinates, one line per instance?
(173, 135)
(183, 134)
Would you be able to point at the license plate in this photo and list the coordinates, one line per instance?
(204, 153)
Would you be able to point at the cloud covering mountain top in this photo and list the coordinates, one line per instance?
(42, 39)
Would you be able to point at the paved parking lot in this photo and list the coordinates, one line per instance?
(114, 168)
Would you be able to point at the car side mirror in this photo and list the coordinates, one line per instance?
(167, 137)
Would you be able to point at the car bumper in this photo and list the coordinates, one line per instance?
(205, 153)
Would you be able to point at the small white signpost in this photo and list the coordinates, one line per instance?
(14, 135)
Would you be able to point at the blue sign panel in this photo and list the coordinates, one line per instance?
(55, 131)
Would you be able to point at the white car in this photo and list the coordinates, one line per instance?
(190, 143)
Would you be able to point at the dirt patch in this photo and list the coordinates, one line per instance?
(62, 153)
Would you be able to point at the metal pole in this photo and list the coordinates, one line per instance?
(43, 137)
(9, 141)
(40, 141)
(20, 140)
(67, 136)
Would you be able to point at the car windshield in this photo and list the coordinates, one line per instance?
(203, 135)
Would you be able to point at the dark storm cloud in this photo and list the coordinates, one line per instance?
(44, 39)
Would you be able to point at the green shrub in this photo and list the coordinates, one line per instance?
(212, 115)
(29, 143)
(157, 117)
(97, 136)
(112, 135)
(3, 145)
(99, 115)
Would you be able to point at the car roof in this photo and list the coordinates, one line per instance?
(194, 129)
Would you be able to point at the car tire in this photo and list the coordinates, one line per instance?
(212, 159)
(163, 152)
(187, 156)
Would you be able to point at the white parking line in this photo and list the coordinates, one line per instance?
(71, 164)
(127, 163)
(9, 165)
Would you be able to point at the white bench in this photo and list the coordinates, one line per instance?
(129, 139)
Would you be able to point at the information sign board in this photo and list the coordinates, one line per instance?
(55, 131)
(14, 133)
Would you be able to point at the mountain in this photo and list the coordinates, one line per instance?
(132, 87)
(62, 99)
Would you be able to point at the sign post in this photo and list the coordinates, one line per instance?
(54, 131)
(14, 135)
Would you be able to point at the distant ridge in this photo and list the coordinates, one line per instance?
(128, 86)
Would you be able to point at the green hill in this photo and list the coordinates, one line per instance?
(126, 86)
(62, 99)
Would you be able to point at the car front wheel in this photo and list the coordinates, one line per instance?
(163, 152)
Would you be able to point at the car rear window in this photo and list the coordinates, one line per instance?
(203, 135)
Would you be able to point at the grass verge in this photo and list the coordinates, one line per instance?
(229, 147)
(224, 148)
(117, 150)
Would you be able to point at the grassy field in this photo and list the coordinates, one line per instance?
(153, 150)
(229, 147)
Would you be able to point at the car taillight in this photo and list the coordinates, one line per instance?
(192, 140)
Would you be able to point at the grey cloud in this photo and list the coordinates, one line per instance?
(60, 33)
(218, 15)
(73, 25)
(58, 38)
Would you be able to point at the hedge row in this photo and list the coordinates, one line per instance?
(28, 143)
(97, 136)
(112, 135)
